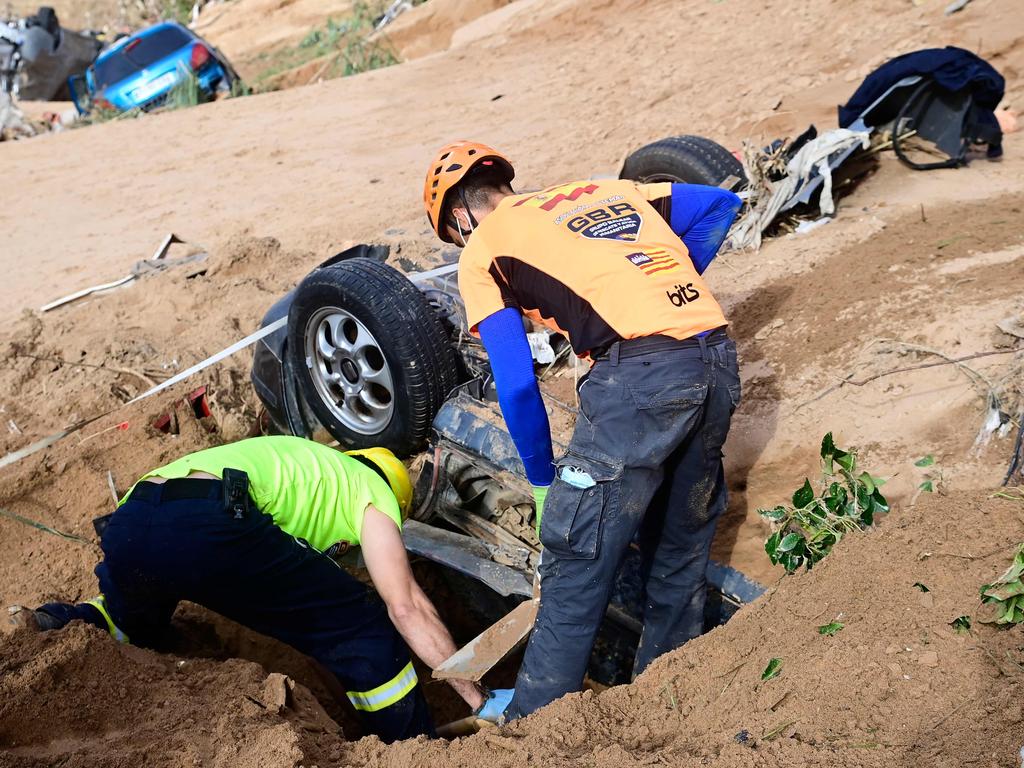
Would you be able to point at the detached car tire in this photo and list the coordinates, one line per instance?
(683, 160)
(373, 361)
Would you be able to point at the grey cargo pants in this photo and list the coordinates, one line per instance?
(645, 462)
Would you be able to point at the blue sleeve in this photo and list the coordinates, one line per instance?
(701, 216)
(521, 404)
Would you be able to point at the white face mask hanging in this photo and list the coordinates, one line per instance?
(463, 235)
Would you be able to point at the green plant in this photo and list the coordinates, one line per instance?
(932, 479)
(1005, 595)
(807, 530)
(99, 115)
(186, 93)
(961, 624)
(177, 10)
(347, 47)
(772, 670)
(362, 55)
(239, 88)
(831, 628)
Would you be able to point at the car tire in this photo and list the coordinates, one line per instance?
(373, 361)
(299, 421)
(685, 160)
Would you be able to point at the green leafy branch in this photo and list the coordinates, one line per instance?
(1006, 594)
(933, 479)
(807, 530)
(831, 629)
(773, 669)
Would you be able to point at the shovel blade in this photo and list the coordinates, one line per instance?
(490, 647)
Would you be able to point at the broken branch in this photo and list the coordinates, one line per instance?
(957, 361)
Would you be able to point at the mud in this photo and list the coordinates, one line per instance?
(896, 686)
(61, 704)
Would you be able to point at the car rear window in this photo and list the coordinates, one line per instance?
(138, 54)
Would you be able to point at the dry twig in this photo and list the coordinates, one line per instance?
(60, 361)
(952, 712)
(957, 361)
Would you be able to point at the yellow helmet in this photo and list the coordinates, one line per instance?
(395, 472)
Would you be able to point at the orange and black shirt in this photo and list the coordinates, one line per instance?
(594, 260)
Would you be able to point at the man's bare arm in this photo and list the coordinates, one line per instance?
(411, 611)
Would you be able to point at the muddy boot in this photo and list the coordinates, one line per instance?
(58, 615)
(33, 620)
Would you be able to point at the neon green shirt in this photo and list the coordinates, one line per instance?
(313, 492)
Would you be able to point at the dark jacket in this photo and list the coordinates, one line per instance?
(951, 69)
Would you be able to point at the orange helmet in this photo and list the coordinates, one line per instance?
(450, 167)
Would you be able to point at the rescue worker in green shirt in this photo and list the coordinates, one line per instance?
(248, 530)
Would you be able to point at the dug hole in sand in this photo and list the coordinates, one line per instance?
(897, 686)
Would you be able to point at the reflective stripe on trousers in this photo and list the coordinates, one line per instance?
(100, 604)
(385, 695)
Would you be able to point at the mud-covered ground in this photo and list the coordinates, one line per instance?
(898, 685)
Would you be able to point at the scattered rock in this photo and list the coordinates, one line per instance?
(928, 659)
(767, 330)
(276, 692)
(1012, 326)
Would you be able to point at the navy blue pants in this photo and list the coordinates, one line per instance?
(160, 548)
(645, 464)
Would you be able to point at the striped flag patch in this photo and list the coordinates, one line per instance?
(652, 262)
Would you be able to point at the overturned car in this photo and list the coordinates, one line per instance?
(376, 357)
(38, 55)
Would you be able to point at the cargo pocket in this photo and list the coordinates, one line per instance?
(582, 494)
(735, 396)
(671, 394)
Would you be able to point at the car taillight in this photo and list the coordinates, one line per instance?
(200, 56)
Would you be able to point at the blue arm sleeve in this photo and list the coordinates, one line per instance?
(521, 404)
(701, 216)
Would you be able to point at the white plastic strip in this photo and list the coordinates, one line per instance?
(86, 292)
(252, 338)
(15, 456)
(419, 277)
(249, 340)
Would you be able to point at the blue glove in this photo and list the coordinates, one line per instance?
(495, 704)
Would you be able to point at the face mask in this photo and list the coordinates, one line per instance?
(458, 225)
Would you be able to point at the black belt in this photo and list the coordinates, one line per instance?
(171, 490)
(644, 346)
(177, 489)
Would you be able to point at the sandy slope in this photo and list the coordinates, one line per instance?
(74, 14)
(342, 161)
(244, 28)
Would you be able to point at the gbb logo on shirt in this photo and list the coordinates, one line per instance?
(620, 221)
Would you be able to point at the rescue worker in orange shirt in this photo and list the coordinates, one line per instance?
(616, 267)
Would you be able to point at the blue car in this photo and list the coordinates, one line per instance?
(139, 71)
